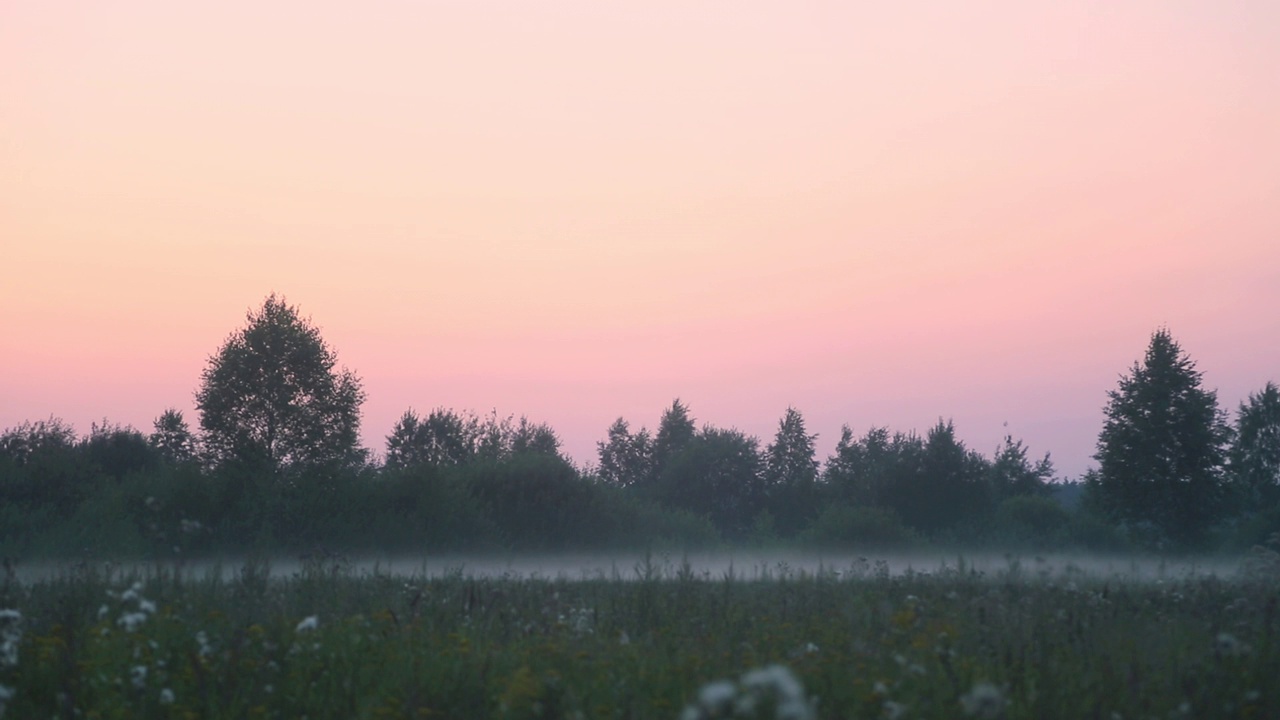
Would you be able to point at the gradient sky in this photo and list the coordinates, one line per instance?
(879, 213)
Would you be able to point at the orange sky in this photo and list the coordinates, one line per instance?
(880, 213)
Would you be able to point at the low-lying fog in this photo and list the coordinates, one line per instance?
(741, 564)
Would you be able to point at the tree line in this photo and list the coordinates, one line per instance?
(276, 463)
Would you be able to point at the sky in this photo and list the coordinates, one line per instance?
(881, 214)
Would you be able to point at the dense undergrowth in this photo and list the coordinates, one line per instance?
(645, 642)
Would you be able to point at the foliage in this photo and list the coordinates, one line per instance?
(790, 473)
(676, 430)
(863, 471)
(1161, 449)
(718, 475)
(447, 437)
(1255, 453)
(272, 396)
(326, 642)
(842, 526)
(944, 484)
(1013, 474)
(626, 459)
(538, 501)
(173, 439)
(41, 467)
(118, 450)
(444, 437)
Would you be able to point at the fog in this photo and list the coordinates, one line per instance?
(745, 565)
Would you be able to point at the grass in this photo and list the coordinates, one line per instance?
(328, 642)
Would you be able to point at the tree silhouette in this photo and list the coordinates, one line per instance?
(676, 430)
(1161, 449)
(272, 396)
(172, 437)
(444, 437)
(626, 459)
(791, 473)
(1255, 454)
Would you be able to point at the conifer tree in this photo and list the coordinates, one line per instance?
(1162, 447)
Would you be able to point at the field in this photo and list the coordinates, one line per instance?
(658, 639)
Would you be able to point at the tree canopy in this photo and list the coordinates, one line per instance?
(1162, 447)
(273, 395)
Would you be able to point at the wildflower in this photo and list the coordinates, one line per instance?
(891, 710)
(131, 621)
(6, 694)
(772, 687)
(133, 593)
(166, 697)
(1227, 645)
(10, 637)
(984, 701)
(311, 622)
(202, 639)
(717, 696)
(138, 676)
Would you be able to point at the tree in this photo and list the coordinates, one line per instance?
(717, 475)
(118, 449)
(861, 472)
(1012, 472)
(1161, 448)
(676, 430)
(940, 484)
(444, 437)
(791, 472)
(1255, 454)
(273, 397)
(530, 438)
(172, 437)
(626, 459)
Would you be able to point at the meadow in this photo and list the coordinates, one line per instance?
(659, 638)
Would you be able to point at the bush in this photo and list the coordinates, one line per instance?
(842, 526)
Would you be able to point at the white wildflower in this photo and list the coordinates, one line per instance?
(984, 701)
(166, 697)
(202, 639)
(775, 678)
(10, 637)
(311, 622)
(770, 687)
(146, 606)
(716, 696)
(131, 621)
(891, 710)
(6, 694)
(138, 676)
(1228, 645)
(133, 593)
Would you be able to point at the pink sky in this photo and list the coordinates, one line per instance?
(879, 213)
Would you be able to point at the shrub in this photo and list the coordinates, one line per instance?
(844, 526)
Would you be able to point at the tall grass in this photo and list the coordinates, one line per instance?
(640, 642)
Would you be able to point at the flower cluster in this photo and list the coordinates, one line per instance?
(580, 620)
(769, 692)
(10, 639)
(984, 701)
(133, 617)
